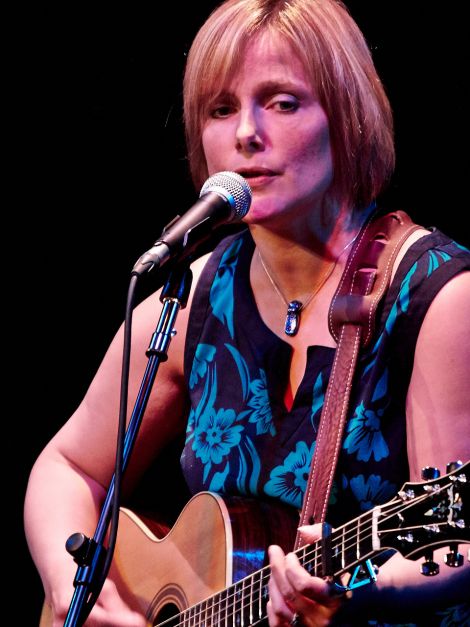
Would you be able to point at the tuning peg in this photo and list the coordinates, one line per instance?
(451, 466)
(429, 472)
(453, 558)
(429, 568)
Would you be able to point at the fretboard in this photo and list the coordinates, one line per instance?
(243, 603)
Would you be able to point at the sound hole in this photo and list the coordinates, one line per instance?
(168, 611)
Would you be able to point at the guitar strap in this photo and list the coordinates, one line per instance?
(351, 320)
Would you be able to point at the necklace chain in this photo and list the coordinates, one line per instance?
(294, 307)
(276, 287)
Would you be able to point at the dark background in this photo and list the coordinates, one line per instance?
(98, 167)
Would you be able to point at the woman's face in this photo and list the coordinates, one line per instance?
(269, 127)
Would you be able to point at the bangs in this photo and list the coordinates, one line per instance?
(338, 66)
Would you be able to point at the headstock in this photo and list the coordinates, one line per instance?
(428, 515)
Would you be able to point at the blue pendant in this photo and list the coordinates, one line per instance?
(293, 317)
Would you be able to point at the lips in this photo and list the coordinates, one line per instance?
(254, 172)
(258, 178)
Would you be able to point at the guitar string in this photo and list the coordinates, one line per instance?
(235, 590)
(231, 609)
(264, 576)
(309, 551)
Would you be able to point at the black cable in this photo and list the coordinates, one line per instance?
(118, 471)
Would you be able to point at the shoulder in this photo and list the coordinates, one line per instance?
(439, 395)
(427, 261)
(447, 319)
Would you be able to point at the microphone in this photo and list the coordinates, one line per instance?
(225, 197)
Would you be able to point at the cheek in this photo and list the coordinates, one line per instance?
(313, 154)
(212, 147)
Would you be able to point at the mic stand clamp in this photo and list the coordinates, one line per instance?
(88, 553)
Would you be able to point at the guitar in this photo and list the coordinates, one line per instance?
(186, 577)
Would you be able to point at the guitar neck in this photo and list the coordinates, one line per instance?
(244, 602)
(422, 516)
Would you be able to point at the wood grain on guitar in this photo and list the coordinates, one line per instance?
(186, 577)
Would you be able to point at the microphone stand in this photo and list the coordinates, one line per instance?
(90, 554)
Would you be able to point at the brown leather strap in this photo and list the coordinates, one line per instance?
(351, 321)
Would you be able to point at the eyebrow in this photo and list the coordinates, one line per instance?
(270, 86)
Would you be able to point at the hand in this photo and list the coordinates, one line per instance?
(295, 597)
(109, 611)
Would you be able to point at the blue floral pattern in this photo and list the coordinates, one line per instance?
(371, 491)
(204, 355)
(364, 435)
(214, 435)
(364, 429)
(221, 294)
(259, 402)
(289, 480)
(240, 437)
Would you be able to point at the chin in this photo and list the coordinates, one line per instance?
(261, 214)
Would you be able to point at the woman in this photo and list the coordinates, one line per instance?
(285, 94)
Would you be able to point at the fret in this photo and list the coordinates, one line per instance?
(343, 548)
(257, 594)
(358, 539)
(211, 620)
(371, 520)
(262, 592)
(349, 546)
(315, 558)
(222, 608)
(236, 606)
(302, 555)
(336, 555)
(192, 617)
(251, 583)
(242, 603)
(305, 557)
(375, 535)
(203, 614)
(229, 608)
(245, 605)
(265, 592)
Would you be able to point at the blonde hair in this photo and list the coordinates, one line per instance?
(335, 56)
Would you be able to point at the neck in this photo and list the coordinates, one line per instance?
(298, 261)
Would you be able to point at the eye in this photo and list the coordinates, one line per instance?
(284, 104)
(221, 111)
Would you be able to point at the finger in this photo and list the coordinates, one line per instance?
(278, 574)
(310, 533)
(101, 617)
(305, 585)
(278, 610)
(276, 620)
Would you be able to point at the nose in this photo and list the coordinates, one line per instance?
(249, 136)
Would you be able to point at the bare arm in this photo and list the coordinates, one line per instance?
(69, 480)
(438, 426)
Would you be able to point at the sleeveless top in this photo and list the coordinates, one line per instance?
(242, 440)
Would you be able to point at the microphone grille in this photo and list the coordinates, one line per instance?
(234, 188)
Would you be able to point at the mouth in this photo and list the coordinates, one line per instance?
(251, 173)
(257, 177)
